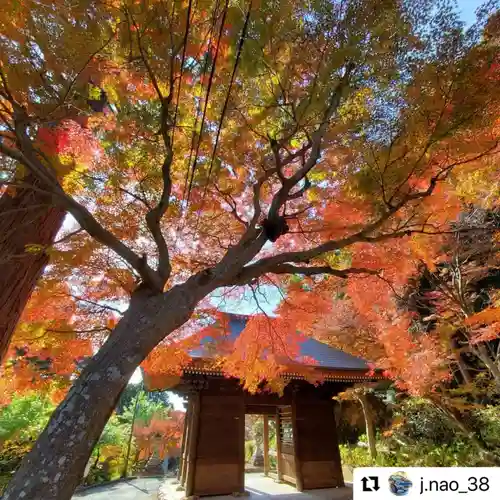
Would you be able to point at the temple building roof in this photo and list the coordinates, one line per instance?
(321, 354)
(314, 359)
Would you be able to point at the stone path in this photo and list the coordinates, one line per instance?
(260, 487)
(145, 488)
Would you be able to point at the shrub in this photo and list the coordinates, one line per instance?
(421, 436)
(24, 418)
(20, 424)
(109, 455)
(487, 423)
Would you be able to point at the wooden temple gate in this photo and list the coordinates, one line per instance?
(213, 447)
(213, 451)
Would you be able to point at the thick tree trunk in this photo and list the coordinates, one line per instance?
(55, 465)
(26, 218)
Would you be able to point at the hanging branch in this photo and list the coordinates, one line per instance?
(226, 102)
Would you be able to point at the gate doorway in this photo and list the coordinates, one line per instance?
(270, 443)
(260, 445)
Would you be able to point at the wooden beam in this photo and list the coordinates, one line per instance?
(266, 399)
(253, 409)
(278, 446)
(183, 444)
(266, 445)
(193, 444)
(298, 464)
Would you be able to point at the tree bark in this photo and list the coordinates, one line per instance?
(26, 218)
(54, 467)
(370, 430)
(483, 354)
(462, 366)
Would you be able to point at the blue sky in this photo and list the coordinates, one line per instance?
(468, 9)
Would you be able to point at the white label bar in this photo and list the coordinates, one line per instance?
(426, 483)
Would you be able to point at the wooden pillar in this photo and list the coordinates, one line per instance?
(317, 450)
(188, 441)
(192, 445)
(241, 440)
(266, 445)
(336, 451)
(189, 418)
(184, 447)
(298, 464)
(278, 446)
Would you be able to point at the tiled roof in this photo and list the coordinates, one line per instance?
(323, 355)
(330, 357)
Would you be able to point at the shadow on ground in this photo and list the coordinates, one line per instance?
(145, 488)
(259, 487)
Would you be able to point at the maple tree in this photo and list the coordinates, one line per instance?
(221, 157)
(46, 351)
(161, 436)
(441, 343)
(384, 319)
(456, 301)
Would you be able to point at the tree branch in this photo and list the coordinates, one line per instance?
(232, 203)
(265, 264)
(62, 99)
(154, 216)
(301, 191)
(316, 141)
(149, 70)
(251, 273)
(96, 304)
(82, 215)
